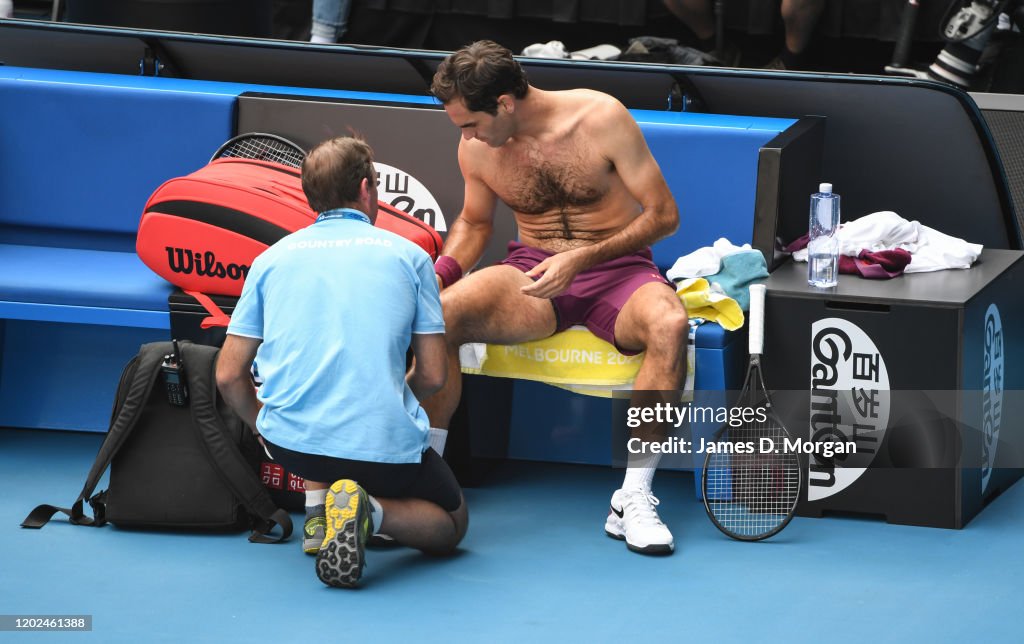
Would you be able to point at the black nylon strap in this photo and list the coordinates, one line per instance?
(147, 365)
(146, 369)
(223, 453)
(41, 515)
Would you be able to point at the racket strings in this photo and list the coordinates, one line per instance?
(752, 485)
(265, 149)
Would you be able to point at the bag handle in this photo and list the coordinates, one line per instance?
(217, 317)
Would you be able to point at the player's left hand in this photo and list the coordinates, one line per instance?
(556, 274)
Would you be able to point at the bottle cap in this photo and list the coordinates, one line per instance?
(826, 188)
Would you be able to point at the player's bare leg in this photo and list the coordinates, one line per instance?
(653, 320)
(486, 306)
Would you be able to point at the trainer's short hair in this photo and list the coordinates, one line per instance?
(479, 74)
(333, 170)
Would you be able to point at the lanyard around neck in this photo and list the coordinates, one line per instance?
(342, 213)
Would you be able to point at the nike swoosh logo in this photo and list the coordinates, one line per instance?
(617, 513)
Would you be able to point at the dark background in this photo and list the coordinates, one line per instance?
(854, 36)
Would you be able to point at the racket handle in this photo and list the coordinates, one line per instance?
(756, 329)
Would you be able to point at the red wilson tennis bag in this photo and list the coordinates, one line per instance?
(201, 232)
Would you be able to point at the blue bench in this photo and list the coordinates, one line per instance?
(81, 153)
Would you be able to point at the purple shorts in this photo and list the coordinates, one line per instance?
(597, 295)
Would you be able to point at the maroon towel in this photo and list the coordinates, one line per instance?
(799, 243)
(878, 265)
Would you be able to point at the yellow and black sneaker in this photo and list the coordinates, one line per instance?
(314, 530)
(339, 562)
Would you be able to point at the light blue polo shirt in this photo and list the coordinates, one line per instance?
(336, 305)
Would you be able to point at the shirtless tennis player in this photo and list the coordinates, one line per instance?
(589, 200)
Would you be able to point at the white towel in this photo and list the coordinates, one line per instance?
(597, 52)
(930, 249)
(937, 251)
(704, 261)
(550, 49)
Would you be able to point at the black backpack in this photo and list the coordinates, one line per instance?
(179, 457)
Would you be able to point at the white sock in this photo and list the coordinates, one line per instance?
(376, 513)
(640, 473)
(437, 439)
(316, 497)
(321, 40)
(6, 8)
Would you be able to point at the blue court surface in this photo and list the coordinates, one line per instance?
(535, 565)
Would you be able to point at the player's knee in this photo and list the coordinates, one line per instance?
(454, 318)
(668, 336)
(674, 326)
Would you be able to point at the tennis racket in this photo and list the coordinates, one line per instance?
(262, 147)
(750, 493)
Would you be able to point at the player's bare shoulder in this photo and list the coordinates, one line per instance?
(602, 118)
(597, 109)
(473, 154)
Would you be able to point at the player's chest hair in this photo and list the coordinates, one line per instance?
(559, 176)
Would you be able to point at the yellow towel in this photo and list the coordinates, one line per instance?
(574, 359)
(701, 302)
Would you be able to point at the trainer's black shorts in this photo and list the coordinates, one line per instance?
(431, 479)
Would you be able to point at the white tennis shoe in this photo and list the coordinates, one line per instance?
(632, 517)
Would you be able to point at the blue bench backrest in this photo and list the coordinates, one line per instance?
(710, 164)
(82, 152)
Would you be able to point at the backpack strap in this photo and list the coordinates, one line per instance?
(142, 370)
(199, 363)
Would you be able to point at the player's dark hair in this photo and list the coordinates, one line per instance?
(479, 74)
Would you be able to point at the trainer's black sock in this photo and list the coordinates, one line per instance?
(706, 44)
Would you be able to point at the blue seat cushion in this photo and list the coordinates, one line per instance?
(712, 336)
(79, 277)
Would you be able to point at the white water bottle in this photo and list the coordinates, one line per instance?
(822, 239)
